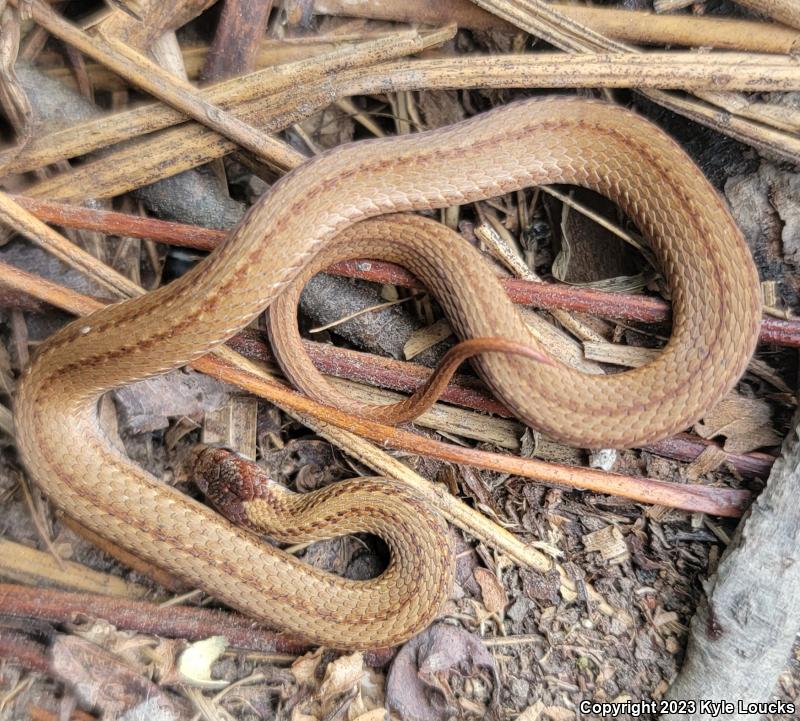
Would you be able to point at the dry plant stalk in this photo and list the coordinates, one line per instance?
(541, 19)
(53, 242)
(271, 53)
(637, 26)
(125, 125)
(147, 75)
(785, 11)
(186, 146)
(27, 565)
(355, 73)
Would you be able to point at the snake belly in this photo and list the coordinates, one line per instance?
(711, 277)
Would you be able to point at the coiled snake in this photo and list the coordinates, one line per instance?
(306, 219)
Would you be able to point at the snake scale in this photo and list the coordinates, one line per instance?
(312, 216)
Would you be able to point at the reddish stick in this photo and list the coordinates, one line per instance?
(192, 623)
(635, 308)
(684, 447)
(465, 391)
(23, 651)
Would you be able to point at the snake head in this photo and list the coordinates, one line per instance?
(226, 479)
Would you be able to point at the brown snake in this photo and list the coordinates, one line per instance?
(292, 231)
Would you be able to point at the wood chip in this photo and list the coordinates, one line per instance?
(427, 337)
(770, 293)
(765, 372)
(234, 426)
(709, 460)
(622, 355)
(609, 543)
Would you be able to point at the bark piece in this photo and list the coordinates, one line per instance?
(765, 206)
(327, 298)
(745, 423)
(147, 405)
(740, 639)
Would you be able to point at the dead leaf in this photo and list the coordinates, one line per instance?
(102, 681)
(709, 460)
(342, 675)
(494, 595)
(329, 128)
(744, 422)
(147, 405)
(304, 669)
(348, 690)
(541, 587)
(419, 684)
(194, 664)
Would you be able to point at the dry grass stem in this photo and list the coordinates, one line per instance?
(31, 227)
(231, 94)
(27, 565)
(784, 11)
(189, 145)
(150, 77)
(637, 26)
(621, 355)
(541, 19)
